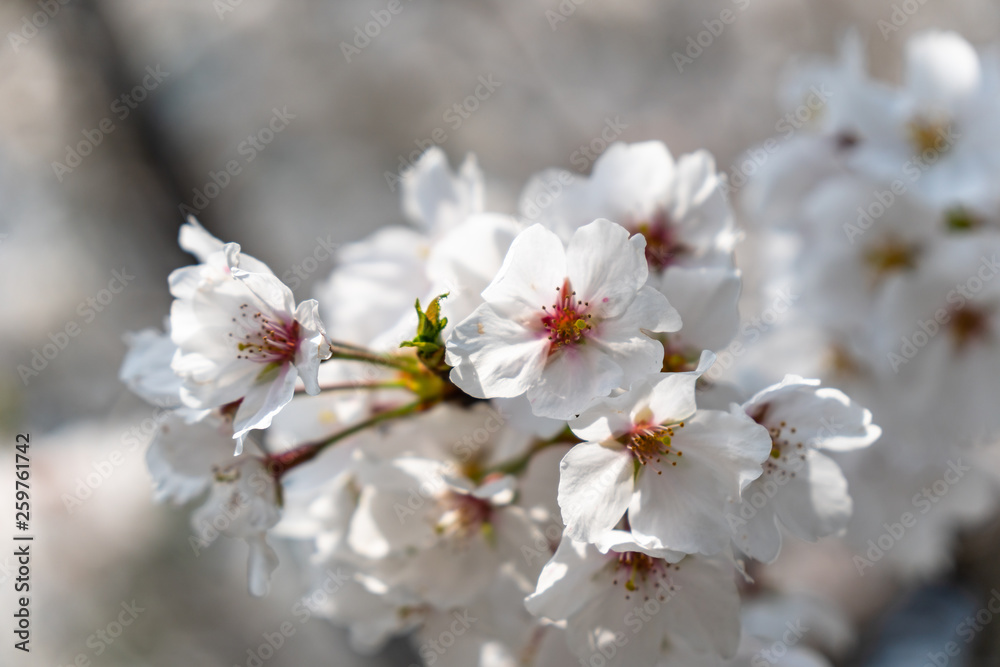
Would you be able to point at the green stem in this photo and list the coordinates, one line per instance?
(360, 386)
(520, 464)
(350, 354)
(279, 464)
(347, 346)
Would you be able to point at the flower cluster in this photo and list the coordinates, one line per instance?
(882, 210)
(530, 466)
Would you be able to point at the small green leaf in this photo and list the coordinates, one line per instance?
(428, 341)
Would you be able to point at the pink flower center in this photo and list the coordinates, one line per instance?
(462, 514)
(567, 321)
(264, 339)
(663, 244)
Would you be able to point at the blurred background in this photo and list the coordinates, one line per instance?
(284, 126)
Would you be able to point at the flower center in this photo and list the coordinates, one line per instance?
(567, 321)
(651, 443)
(463, 514)
(663, 245)
(927, 134)
(679, 360)
(969, 325)
(262, 339)
(891, 255)
(846, 140)
(783, 450)
(635, 570)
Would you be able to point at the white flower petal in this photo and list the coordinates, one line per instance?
(532, 273)
(815, 503)
(506, 356)
(595, 485)
(572, 379)
(265, 399)
(605, 267)
(566, 582)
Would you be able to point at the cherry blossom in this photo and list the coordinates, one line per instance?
(563, 324)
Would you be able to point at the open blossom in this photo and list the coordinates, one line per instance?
(651, 453)
(438, 535)
(563, 324)
(434, 514)
(938, 128)
(627, 608)
(801, 488)
(240, 337)
(934, 342)
(851, 257)
(679, 207)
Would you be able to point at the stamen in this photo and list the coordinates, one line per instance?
(262, 339)
(781, 446)
(567, 323)
(969, 325)
(928, 135)
(462, 515)
(889, 256)
(651, 443)
(663, 244)
(640, 572)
